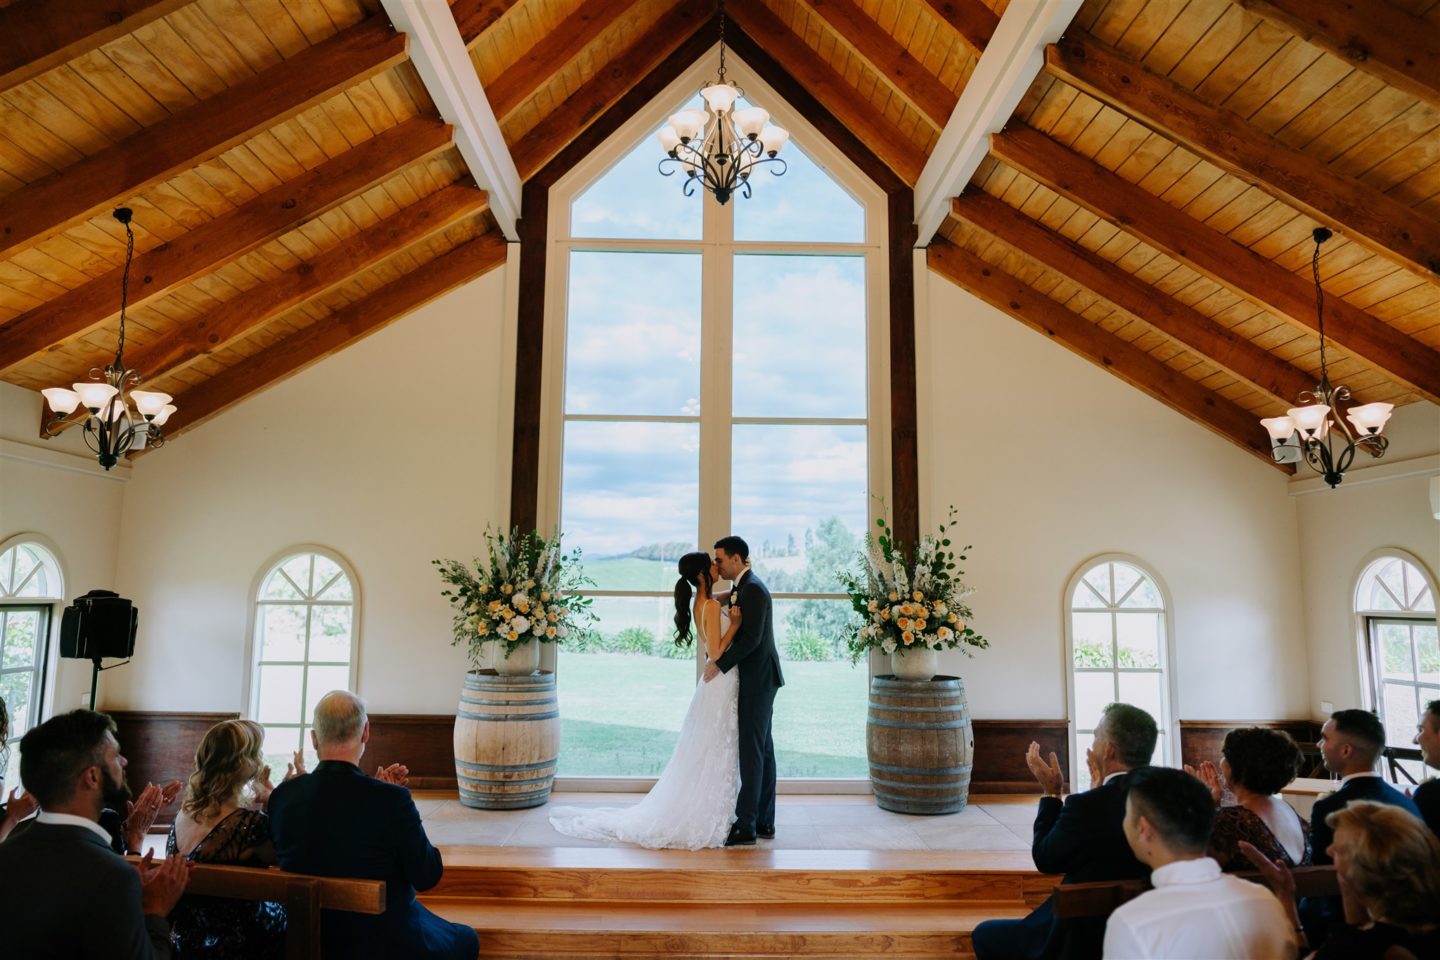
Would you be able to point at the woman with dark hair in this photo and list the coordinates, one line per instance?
(19, 805)
(222, 821)
(1257, 763)
(692, 805)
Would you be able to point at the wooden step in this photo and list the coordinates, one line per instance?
(514, 929)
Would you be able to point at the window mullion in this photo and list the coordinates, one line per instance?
(717, 273)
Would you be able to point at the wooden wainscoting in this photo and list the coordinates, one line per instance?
(1000, 747)
(424, 742)
(160, 746)
(1202, 739)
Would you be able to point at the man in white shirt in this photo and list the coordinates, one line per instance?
(1194, 912)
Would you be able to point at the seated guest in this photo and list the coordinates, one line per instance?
(1350, 743)
(18, 805)
(1257, 764)
(1388, 865)
(216, 826)
(1194, 910)
(67, 893)
(336, 821)
(1083, 838)
(1427, 738)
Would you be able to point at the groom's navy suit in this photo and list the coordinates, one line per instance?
(752, 650)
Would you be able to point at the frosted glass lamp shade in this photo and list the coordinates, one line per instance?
(1312, 420)
(62, 401)
(751, 121)
(1370, 419)
(164, 414)
(720, 97)
(94, 395)
(114, 409)
(668, 138)
(149, 402)
(688, 124)
(1279, 428)
(773, 138)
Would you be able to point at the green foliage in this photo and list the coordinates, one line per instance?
(665, 646)
(808, 644)
(1098, 655)
(639, 640)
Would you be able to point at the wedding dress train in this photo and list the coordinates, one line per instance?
(692, 805)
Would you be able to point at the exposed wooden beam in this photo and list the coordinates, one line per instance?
(972, 21)
(38, 37)
(227, 237)
(1181, 323)
(1226, 139)
(337, 331)
(1381, 39)
(474, 17)
(50, 205)
(554, 51)
(444, 66)
(247, 311)
(1127, 361)
(529, 357)
(1289, 296)
(771, 34)
(888, 57)
(560, 126)
(904, 409)
(1006, 69)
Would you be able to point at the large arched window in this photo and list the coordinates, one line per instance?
(30, 586)
(720, 369)
(303, 647)
(1395, 603)
(1119, 645)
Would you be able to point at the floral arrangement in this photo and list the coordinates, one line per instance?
(524, 589)
(909, 601)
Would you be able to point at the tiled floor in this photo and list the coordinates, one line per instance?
(803, 822)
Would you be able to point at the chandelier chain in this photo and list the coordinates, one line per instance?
(124, 292)
(1319, 294)
(722, 41)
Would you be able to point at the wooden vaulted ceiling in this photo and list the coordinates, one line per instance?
(1149, 205)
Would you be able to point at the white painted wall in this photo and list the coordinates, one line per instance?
(1052, 461)
(390, 453)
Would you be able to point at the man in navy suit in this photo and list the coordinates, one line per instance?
(338, 822)
(1427, 738)
(1083, 838)
(1350, 743)
(752, 651)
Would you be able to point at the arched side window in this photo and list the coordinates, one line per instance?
(303, 645)
(1395, 603)
(30, 586)
(1119, 651)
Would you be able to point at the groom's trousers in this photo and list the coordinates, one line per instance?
(755, 806)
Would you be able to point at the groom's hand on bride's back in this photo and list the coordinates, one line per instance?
(711, 671)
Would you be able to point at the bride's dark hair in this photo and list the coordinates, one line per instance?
(693, 568)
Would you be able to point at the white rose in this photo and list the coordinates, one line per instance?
(520, 598)
(888, 645)
(539, 628)
(520, 624)
(562, 632)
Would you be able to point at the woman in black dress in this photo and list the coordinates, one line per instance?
(1257, 763)
(216, 825)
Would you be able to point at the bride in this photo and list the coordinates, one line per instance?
(692, 805)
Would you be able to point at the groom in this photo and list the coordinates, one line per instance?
(753, 651)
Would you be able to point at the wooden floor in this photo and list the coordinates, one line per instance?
(577, 902)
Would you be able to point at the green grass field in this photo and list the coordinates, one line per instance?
(621, 715)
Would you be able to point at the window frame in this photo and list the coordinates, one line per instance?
(718, 250)
(1168, 724)
(46, 663)
(250, 687)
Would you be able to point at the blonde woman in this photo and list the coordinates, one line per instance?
(222, 820)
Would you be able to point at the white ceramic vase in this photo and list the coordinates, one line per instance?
(916, 663)
(522, 663)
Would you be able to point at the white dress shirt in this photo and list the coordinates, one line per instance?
(1196, 912)
(70, 820)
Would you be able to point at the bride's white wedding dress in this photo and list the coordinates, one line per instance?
(692, 805)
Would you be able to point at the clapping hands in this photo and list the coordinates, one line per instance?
(1207, 774)
(20, 806)
(396, 773)
(162, 884)
(141, 813)
(1049, 775)
(296, 767)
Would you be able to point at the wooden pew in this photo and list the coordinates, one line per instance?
(1100, 899)
(302, 895)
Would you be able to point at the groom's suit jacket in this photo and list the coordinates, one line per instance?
(753, 646)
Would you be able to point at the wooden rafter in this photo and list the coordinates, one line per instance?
(1127, 361)
(1381, 39)
(337, 331)
(229, 236)
(50, 205)
(831, 89)
(1179, 322)
(888, 58)
(38, 37)
(518, 83)
(1226, 139)
(474, 17)
(1235, 266)
(971, 20)
(248, 311)
(561, 125)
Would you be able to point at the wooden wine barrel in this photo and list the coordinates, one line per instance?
(920, 744)
(507, 738)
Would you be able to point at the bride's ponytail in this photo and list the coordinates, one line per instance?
(682, 612)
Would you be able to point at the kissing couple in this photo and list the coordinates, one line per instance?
(718, 788)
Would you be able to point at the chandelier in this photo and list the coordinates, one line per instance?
(103, 405)
(720, 146)
(1315, 431)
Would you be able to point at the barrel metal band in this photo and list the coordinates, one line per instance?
(921, 771)
(953, 708)
(473, 782)
(916, 725)
(465, 715)
(504, 703)
(495, 767)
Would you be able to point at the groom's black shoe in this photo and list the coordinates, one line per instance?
(765, 833)
(739, 838)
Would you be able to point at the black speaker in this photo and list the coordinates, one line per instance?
(99, 624)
